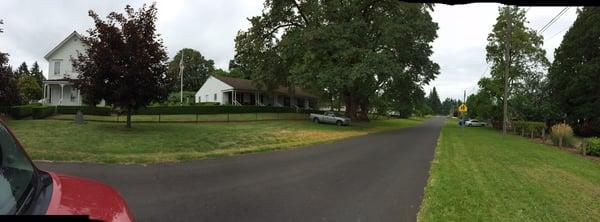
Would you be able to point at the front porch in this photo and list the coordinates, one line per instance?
(255, 98)
(60, 93)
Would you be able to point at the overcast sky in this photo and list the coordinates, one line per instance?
(32, 28)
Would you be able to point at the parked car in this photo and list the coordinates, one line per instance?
(330, 117)
(474, 122)
(25, 189)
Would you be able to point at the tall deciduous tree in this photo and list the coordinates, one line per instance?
(125, 61)
(29, 89)
(195, 72)
(574, 77)
(9, 93)
(353, 48)
(527, 61)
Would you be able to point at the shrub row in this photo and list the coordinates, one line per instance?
(211, 109)
(529, 128)
(87, 110)
(20, 112)
(592, 146)
(40, 112)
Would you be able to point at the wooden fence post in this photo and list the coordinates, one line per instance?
(227, 116)
(532, 134)
(544, 135)
(196, 116)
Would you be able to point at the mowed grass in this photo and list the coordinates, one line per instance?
(189, 118)
(59, 140)
(479, 175)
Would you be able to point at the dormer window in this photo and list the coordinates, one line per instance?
(57, 67)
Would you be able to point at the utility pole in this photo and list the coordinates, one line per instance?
(181, 78)
(506, 74)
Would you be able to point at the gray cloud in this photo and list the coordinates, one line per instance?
(32, 28)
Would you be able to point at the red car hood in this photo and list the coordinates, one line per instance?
(77, 196)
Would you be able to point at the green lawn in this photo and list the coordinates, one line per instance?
(60, 140)
(479, 175)
(190, 118)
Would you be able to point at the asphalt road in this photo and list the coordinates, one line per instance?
(378, 177)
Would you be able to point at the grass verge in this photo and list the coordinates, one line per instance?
(479, 175)
(106, 142)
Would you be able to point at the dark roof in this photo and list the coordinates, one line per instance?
(245, 84)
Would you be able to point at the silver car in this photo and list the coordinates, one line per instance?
(330, 117)
(474, 122)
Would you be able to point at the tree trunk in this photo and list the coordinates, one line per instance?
(351, 106)
(128, 118)
(364, 112)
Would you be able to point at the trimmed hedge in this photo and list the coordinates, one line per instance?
(176, 110)
(529, 128)
(87, 110)
(592, 146)
(206, 104)
(41, 112)
(20, 112)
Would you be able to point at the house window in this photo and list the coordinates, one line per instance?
(57, 67)
(215, 99)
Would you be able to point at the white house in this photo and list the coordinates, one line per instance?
(58, 89)
(234, 91)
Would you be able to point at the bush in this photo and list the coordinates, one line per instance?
(40, 112)
(87, 110)
(207, 104)
(529, 128)
(562, 133)
(592, 146)
(20, 112)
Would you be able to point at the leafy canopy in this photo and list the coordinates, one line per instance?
(195, 71)
(125, 61)
(574, 77)
(350, 48)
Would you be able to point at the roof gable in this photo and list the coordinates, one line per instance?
(74, 34)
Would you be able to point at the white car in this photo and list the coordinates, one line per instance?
(330, 117)
(474, 122)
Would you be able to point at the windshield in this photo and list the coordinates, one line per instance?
(16, 173)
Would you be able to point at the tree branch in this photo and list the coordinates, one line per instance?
(300, 12)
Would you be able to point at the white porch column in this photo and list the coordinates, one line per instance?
(79, 97)
(44, 98)
(256, 100)
(62, 93)
(306, 103)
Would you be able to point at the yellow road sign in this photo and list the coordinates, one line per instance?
(462, 108)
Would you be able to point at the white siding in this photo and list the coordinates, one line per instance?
(64, 54)
(211, 87)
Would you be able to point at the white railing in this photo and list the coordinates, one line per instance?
(236, 103)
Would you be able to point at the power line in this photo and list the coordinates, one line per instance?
(553, 20)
